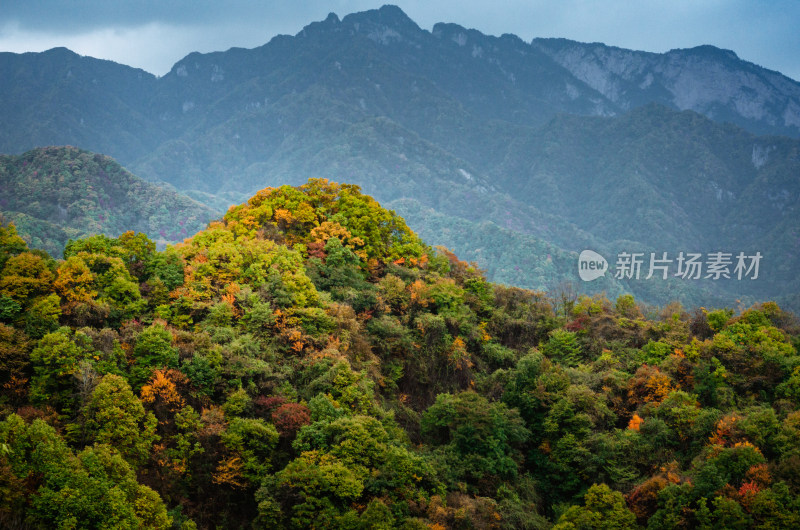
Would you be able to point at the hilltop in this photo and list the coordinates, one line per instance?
(55, 194)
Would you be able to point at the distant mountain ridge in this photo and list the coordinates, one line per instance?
(705, 79)
(60, 98)
(561, 145)
(72, 98)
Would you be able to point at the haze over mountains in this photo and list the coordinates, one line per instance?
(514, 154)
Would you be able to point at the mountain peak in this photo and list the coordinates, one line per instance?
(392, 12)
(446, 28)
(331, 21)
(60, 50)
(388, 15)
(388, 20)
(708, 50)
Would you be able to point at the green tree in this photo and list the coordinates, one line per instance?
(603, 508)
(563, 347)
(95, 489)
(115, 416)
(55, 359)
(42, 316)
(153, 350)
(253, 440)
(481, 440)
(314, 489)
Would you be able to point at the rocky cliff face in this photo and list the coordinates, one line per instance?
(704, 79)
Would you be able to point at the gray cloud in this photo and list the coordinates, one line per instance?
(153, 34)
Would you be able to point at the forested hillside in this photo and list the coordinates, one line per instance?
(56, 194)
(308, 361)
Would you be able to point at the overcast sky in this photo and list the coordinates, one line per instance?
(155, 34)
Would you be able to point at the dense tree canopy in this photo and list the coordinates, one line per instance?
(306, 361)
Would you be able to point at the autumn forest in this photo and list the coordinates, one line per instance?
(308, 362)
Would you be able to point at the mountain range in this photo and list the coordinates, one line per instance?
(515, 154)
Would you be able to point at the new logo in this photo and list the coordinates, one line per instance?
(591, 265)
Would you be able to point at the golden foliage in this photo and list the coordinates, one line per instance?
(658, 387)
(724, 433)
(162, 390)
(74, 281)
(635, 423)
(229, 472)
(458, 355)
(420, 293)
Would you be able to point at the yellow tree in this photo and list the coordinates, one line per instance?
(74, 281)
(26, 276)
